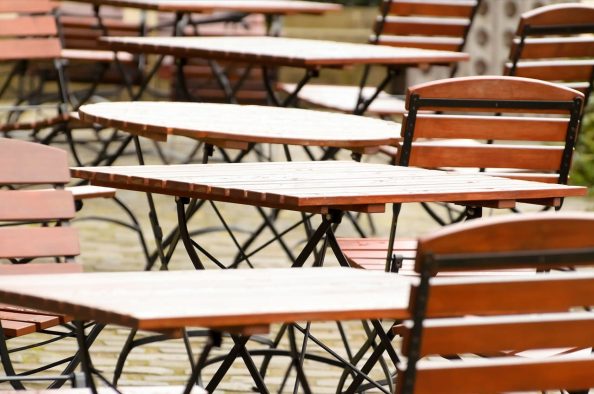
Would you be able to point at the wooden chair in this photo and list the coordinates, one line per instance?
(22, 239)
(90, 64)
(479, 316)
(426, 24)
(556, 43)
(531, 127)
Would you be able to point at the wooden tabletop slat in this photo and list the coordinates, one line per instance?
(296, 185)
(213, 298)
(282, 51)
(249, 123)
(279, 7)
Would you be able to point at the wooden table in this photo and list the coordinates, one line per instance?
(236, 301)
(267, 52)
(328, 188)
(236, 126)
(275, 7)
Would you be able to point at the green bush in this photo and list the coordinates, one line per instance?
(582, 172)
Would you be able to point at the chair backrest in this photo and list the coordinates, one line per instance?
(555, 43)
(529, 127)
(428, 24)
(456, 316)
(25, 163)
(28, 30)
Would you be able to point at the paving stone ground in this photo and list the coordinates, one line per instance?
(108, 247)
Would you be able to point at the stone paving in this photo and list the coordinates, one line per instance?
(107, 247)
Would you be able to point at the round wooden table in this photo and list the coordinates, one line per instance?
(238, 126)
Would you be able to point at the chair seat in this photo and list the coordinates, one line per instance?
(17, 321)
(370, 254)
(95, 55)
(344, 98)
(88, 191)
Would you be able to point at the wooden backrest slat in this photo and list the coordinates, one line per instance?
(422, 42)
(36, 205)
(558, 14)
(547, 231)
(490, 127)
(491, 88)
(491, 335)
(557, 71)
(425, 26)
(556, 47)
(461, 9)
(26, 163)
(38, 48)
(30, 242)
(435, 155)
(27, 6)
(489, 376)
(29, 26)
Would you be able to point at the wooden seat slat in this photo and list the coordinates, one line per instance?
(40, 321)
(13, 328)
(95, 55)
(35, 205)
(25, 242)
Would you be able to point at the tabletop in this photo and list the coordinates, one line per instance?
(282, 51)
(221, 124)
(278, 7)
(214, 298)
(319, 186)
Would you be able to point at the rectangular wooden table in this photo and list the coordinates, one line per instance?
(236, 301)
(267, 52)
(328, 188)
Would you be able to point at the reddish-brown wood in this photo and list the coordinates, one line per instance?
(40, 48)
(19, 242)
(555, 47)
(492, 88)
(29, 6)
(29, 26)
(556, 14)
(36, 205)
(425, 26)
(459, 8)
(50, 165)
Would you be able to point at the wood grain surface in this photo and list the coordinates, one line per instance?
(213, 298)
(222, 123)
(299, 185)
(281, 51)
(279, 7)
